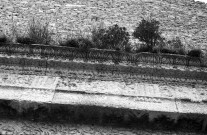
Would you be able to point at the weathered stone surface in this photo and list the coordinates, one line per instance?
(28, 81)
(184, 18)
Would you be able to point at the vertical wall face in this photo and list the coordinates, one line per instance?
(182, 18)
(72, 15)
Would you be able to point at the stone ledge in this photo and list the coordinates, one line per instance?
(104, 100)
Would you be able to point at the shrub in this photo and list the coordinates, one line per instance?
(148, 32)
(3, 39)
(128, 48)
(171, 51)
(176, 43)
(115, 38)
(25, 40)
(81, 43)
(97, 38)
(181, 52)
(38, 33)
(70, 43)
(143, 49)
(176, 46)
(85, 43)
(195, 53)
(167, 51)
(160, 44)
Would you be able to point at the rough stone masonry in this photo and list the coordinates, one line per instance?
(186, 19)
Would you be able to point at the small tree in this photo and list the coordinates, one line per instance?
(116, 37)
(148, 32)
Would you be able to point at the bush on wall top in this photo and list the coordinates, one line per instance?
(114, 37)
(81, 43)
(195, 53)
(3, 39)
(25, 40)
(38, 33)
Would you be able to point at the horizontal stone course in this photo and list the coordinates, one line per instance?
(47, 66)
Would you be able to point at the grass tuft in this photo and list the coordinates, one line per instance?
(38, 33)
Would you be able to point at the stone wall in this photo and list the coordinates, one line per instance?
(60, 68)
(184, 18)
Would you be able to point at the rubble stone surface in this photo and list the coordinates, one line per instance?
(186, 19)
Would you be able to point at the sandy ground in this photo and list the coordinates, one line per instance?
(22, 127)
